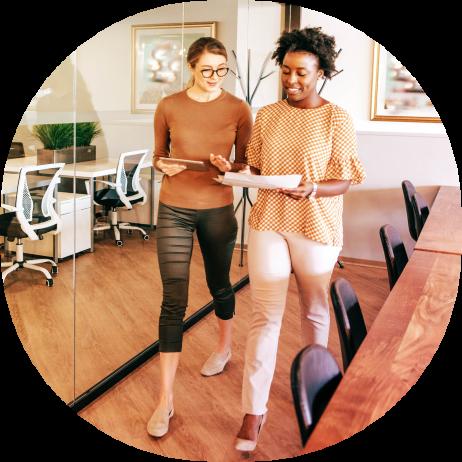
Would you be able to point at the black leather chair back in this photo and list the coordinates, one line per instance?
(350, 322)
(315, 376)
(395, 252)
(421, 211)
(408, 192)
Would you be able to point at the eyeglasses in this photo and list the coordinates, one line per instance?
(221, 72)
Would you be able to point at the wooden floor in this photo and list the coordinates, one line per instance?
(76, 341)
(207, 410)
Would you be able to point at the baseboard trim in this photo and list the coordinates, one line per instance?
(363, 262)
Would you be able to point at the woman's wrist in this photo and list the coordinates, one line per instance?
(237, 166)
(313, 192)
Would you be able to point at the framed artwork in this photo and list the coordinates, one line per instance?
(159, 66)
(396, 94)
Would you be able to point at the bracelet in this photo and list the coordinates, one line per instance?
(312, 194)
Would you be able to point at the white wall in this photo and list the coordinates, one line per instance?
(259, 26)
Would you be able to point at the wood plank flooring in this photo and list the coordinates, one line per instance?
(113, 316)
(116, 308)
(207, 410)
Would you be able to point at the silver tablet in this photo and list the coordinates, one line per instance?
(198, 165)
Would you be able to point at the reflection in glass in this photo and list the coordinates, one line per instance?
(43, 315)
(118, 291)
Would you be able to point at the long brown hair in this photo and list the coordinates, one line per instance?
(202, 45)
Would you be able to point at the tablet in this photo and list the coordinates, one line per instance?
(198, 165)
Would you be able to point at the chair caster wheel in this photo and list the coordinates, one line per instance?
(146, 237)
(119, 243)
(54, 270)
(49, 282)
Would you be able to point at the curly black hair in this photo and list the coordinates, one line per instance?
(310, 40)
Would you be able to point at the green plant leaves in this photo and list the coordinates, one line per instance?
(59, 136)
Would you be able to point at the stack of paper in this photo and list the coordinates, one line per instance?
(259, 181)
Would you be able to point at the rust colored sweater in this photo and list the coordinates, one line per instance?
(188, 129)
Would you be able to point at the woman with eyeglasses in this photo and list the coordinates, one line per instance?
(308, 135)
(203, 123)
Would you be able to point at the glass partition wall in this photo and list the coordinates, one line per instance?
(99, 320)
(122, 74)
(42, 304)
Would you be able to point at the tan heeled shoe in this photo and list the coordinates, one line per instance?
(215, 364)
(249, 445)
(158, 423)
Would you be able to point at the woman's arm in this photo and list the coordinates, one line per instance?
(243, 132)
(326, 188)
(162, 143)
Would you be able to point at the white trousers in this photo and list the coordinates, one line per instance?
(271, 256)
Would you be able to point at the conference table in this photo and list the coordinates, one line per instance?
(88, 170)
(405, 334)
(443, 229)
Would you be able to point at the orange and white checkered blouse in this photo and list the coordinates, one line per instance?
(320, 144)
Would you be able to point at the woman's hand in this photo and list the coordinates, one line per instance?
(170, 169)
(300, 192)
(220, 163)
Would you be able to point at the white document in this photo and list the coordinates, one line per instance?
(259, 181)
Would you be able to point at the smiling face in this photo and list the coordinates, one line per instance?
(208, 61)
(300, 72)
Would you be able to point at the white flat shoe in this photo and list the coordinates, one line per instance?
(249, 445)
(215, 364)
(158, 423)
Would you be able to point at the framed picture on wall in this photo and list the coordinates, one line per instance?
(396, 94)
(159, 66)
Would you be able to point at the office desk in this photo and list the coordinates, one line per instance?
(396, 350)
(442, 231)
(14, 165)
(10, 182)
(89, 170)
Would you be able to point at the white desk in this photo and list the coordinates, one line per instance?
(10, 182)
(89, 170)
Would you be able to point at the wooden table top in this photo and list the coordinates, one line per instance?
(442, 231)
(396, 350)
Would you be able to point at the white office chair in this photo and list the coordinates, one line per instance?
(32, 216)
(125, 192)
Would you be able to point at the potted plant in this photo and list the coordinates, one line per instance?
(58, 142)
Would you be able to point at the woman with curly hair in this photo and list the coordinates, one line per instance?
(297, 229)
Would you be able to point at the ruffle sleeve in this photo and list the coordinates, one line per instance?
(344, 163)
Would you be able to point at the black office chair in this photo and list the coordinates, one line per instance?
(421, 211)
(395, 252)
(408, 192)
(314, 377)
(32, 216)
(350, 322)
(125, 192)
(416, 210)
